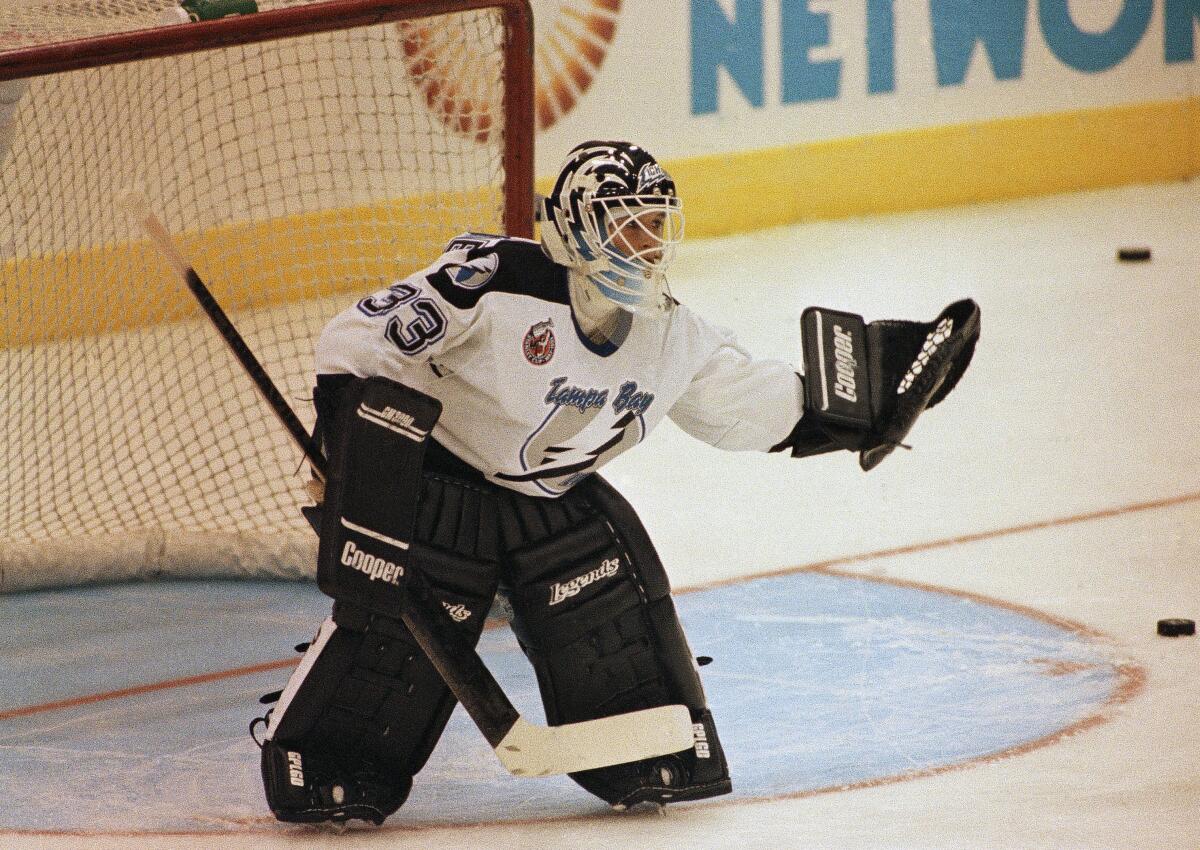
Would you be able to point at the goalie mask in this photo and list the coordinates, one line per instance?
(614, 216)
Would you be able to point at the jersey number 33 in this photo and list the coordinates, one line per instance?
(418, 326)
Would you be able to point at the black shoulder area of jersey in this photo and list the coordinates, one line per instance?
(498, 264)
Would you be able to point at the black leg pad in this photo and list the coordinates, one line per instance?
(365, 707)
(593, 611)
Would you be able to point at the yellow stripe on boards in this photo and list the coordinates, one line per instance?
(939, 166)
(295, 258)
(108, 288)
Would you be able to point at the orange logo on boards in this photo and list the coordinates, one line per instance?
(573, 37)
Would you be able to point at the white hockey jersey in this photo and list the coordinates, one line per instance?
(527, 399)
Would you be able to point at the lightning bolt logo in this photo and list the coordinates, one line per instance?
(556, 464)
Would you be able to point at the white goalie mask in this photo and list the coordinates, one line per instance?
(614, 216)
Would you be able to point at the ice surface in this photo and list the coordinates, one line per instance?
(1063, 475)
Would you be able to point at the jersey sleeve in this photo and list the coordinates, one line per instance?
(736, 402)
(426, 317)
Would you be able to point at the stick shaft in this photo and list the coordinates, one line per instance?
(457, 663)
(262, 381)
(229, 332)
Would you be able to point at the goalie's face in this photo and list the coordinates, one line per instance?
(637, 237)
(647, 238)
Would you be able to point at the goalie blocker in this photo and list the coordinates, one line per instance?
(364, 543)
(866, 384)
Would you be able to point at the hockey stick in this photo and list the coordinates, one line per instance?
(525, 749)
(139, 206)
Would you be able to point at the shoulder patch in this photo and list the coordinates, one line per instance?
(497, 264)
(474, 273)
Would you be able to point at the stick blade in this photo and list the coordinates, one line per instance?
(529, 750)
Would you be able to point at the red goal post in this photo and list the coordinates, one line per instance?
(301, 155)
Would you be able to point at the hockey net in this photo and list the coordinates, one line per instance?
(301, 155)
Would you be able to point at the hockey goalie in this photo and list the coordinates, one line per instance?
(466, 411)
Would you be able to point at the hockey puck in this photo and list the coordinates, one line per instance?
(1176, 626)
(1133, 255)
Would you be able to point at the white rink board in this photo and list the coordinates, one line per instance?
(655, 85)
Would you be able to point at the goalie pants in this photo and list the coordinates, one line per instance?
(591, 609)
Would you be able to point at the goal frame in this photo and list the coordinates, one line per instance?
(327, 16)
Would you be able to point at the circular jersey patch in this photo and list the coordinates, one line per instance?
(539, 343)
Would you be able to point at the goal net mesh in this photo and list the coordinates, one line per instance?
(296, 174)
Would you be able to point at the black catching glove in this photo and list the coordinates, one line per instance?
(937, 354)
(865, 385)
